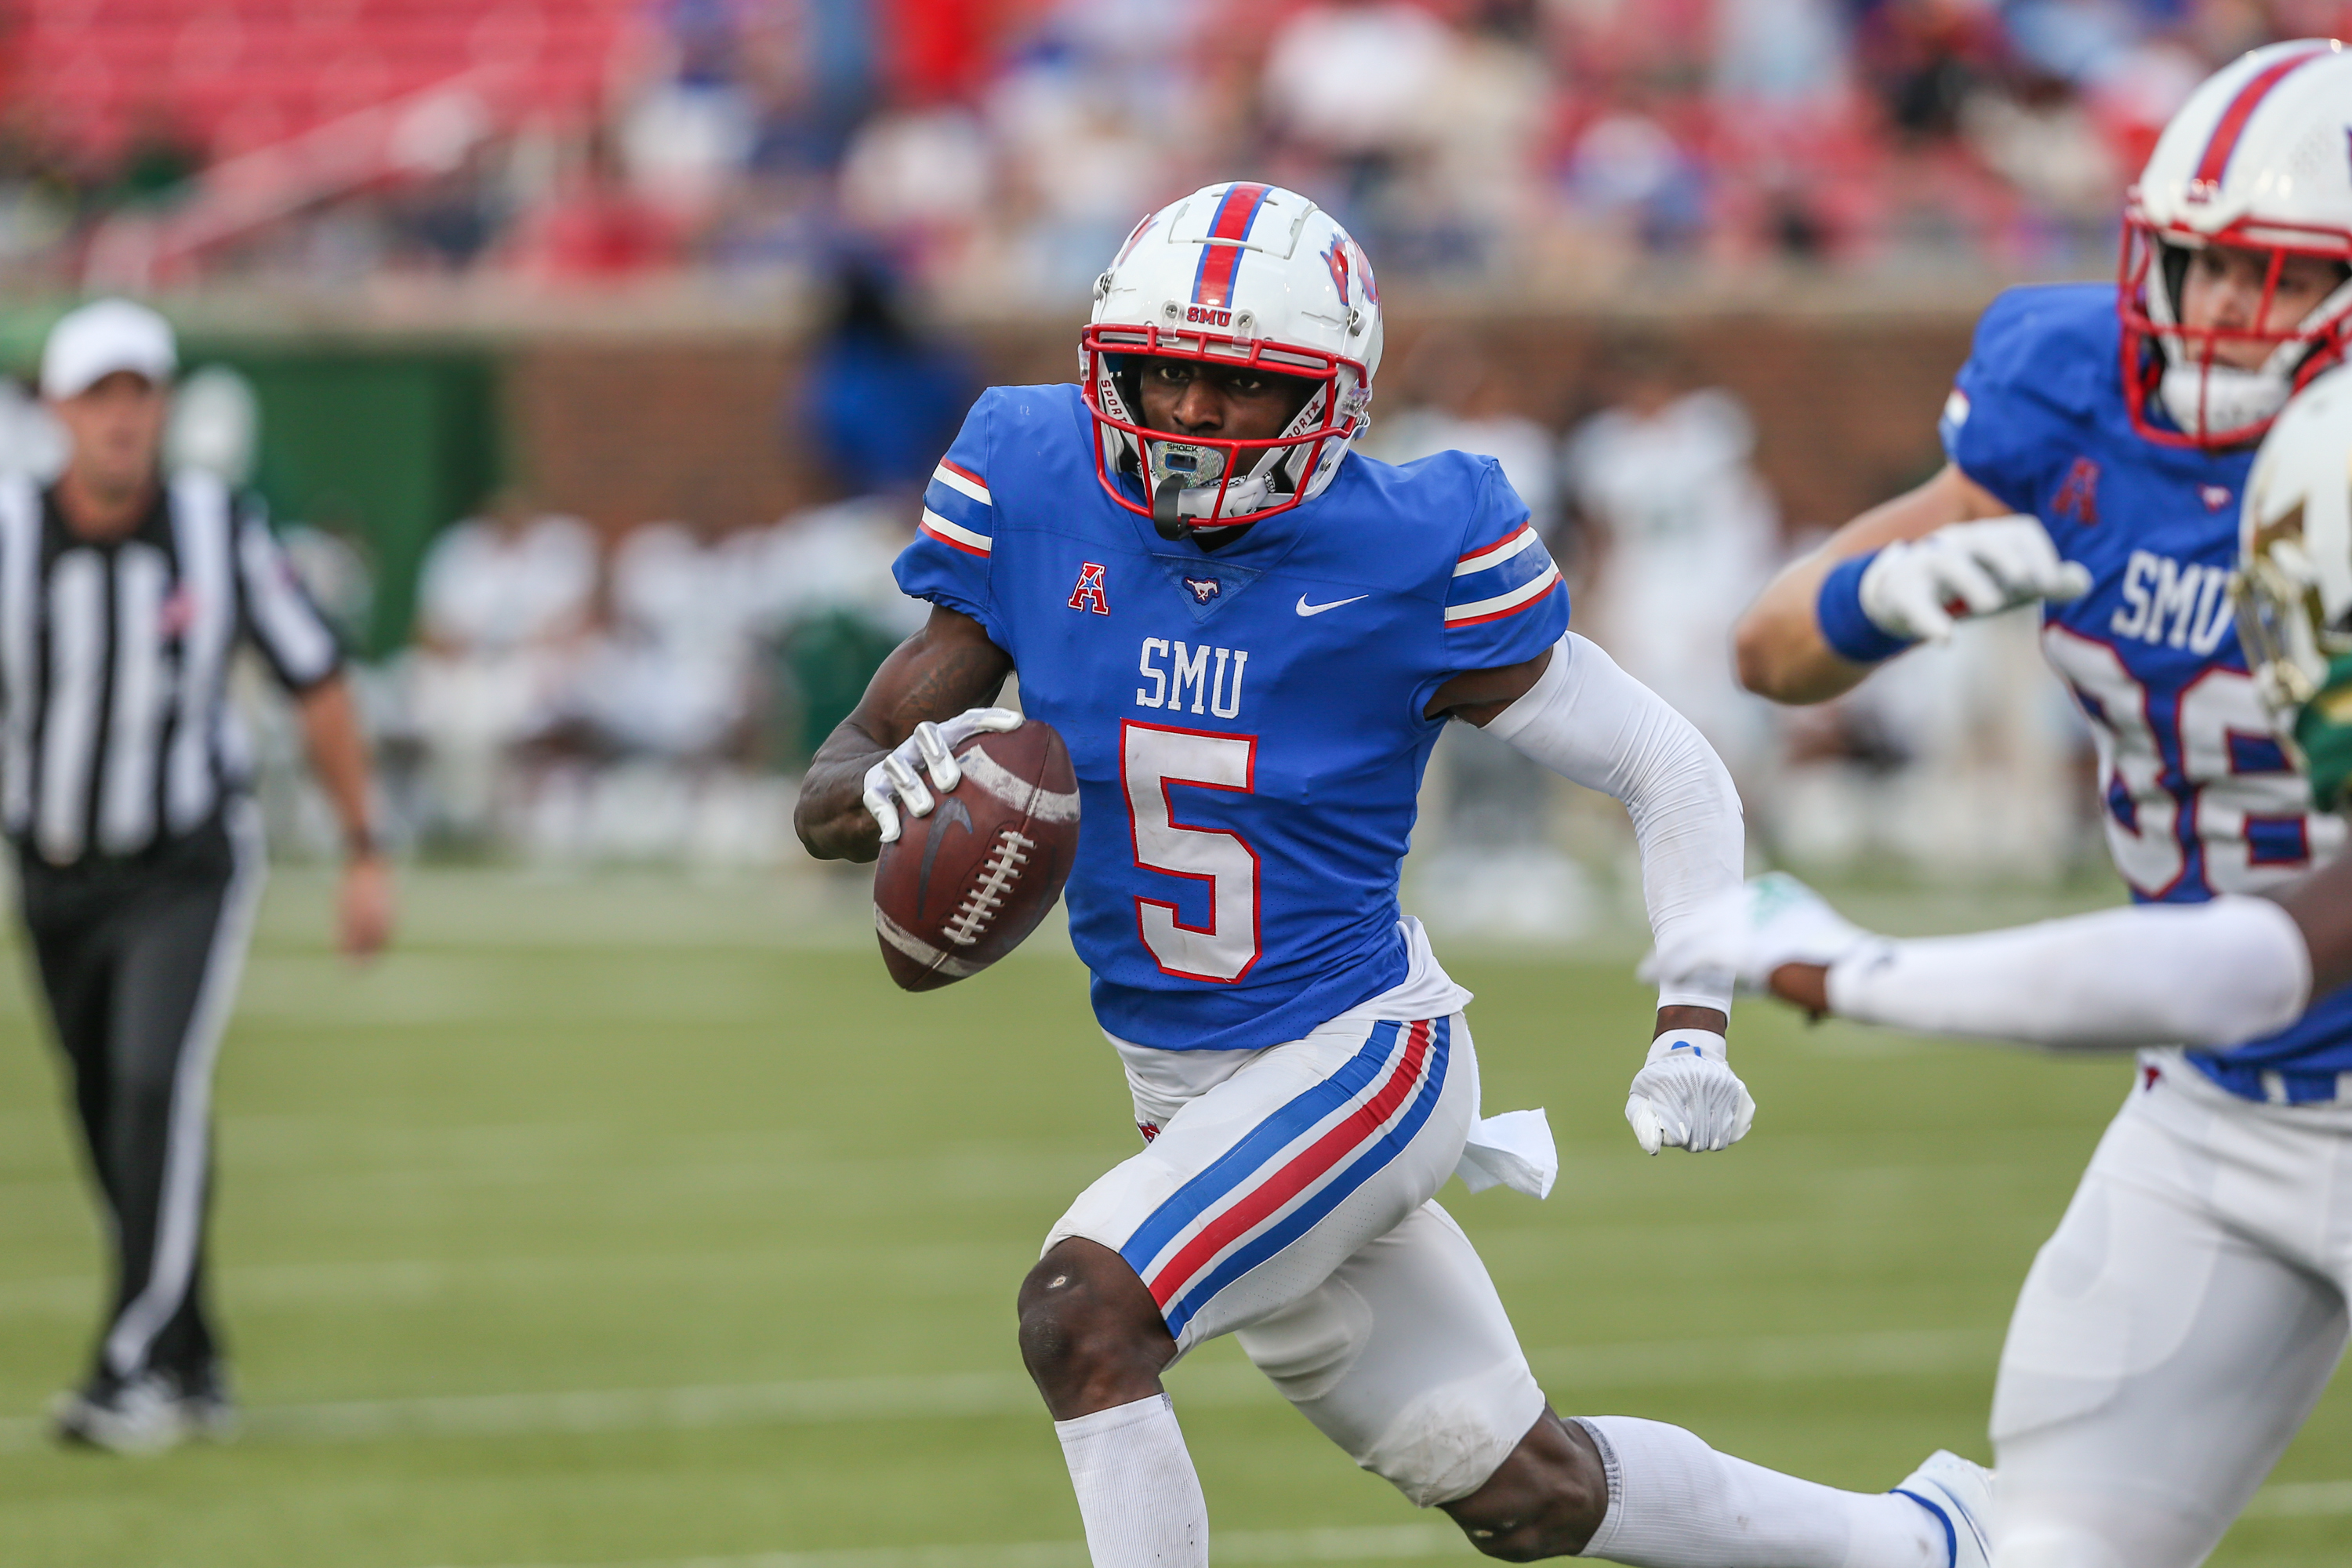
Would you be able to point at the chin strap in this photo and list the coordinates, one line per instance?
(1165, 518)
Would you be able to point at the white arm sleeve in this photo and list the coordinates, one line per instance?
(2192, 975)
(1592, 723)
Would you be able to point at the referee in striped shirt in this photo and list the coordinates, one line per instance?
(124, 592)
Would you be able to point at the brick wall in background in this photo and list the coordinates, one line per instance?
(627, 432)
(630, 432)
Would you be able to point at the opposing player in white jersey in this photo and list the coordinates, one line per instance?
(1250, 639)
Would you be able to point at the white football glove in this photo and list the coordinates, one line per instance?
(1917, 589)
(932, 746)
(1756, 928)
(1687, 1097)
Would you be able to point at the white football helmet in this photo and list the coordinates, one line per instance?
(2293, 584)
(1238, 274)
(2257, 158)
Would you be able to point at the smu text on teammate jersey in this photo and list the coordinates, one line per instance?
(1246, 724)
(2199, 797)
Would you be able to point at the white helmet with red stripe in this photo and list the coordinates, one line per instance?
(1237, 274)
(2259, 158)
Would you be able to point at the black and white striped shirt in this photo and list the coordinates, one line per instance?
(116, 731)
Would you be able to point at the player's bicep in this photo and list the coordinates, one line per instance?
(1477, 696)
(948, 666)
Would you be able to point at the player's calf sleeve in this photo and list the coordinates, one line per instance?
(1138, 1492)
(1673, 1502)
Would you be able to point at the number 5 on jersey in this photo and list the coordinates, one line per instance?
(1151, 759)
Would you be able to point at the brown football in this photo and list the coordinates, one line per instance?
(964, 884)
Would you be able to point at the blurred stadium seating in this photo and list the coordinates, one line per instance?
(997, 147)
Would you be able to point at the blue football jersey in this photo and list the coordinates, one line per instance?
(2198, 797)
(1246, 723)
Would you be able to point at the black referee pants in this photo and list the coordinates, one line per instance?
(139, 960)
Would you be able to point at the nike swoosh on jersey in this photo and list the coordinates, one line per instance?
(1306, 609)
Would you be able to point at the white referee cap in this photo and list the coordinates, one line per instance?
(89, 344)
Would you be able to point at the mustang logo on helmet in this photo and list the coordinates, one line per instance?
(1335, 259)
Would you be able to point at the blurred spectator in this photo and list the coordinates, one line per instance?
(1925, 57)
(669, 674)
(216, 424)
(882, 399)
(502, 606)
(1352, 79)
(825, 612)
(2048, 144)
(1627, 170)
(693, 128)
(451, 216)
(596, 226)
(1457, 398)
(1351, 86)
(1494, 870)
(1780, 56)
(31, 440)
(1685, 534)
(1086, 134)
(919, 180)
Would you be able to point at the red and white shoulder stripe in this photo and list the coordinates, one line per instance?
(1500, 579)
(958, 511)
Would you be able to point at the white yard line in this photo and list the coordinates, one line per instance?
(1575, 1371)
(2302, 1500)
(1394, 1542)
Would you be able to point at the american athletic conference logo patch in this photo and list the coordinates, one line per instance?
(1090, 594)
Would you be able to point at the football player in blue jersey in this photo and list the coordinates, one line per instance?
(2205, 1266)
(2099, 440)
(1250, 639)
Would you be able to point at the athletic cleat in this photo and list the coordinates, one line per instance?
(1959, 1493)
(144, 1415)
(206, 1407)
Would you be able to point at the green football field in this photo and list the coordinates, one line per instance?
(631, 1221)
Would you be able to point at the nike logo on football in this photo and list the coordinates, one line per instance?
(1306, 609)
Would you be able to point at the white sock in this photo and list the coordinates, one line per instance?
(1673, 1502)
(1137, 1490)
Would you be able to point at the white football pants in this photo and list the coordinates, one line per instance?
(1290, 1206)
(2174, 1334)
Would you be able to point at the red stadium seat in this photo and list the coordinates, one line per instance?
(96, 69)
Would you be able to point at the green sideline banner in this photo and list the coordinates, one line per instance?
(384, 447)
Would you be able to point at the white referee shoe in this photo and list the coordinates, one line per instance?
(1959, 1493)
(143, 1415)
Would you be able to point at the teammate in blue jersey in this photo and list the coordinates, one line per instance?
(1250, 639)
(2099, 443)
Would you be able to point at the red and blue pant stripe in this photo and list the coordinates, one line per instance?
(1291, 1170)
